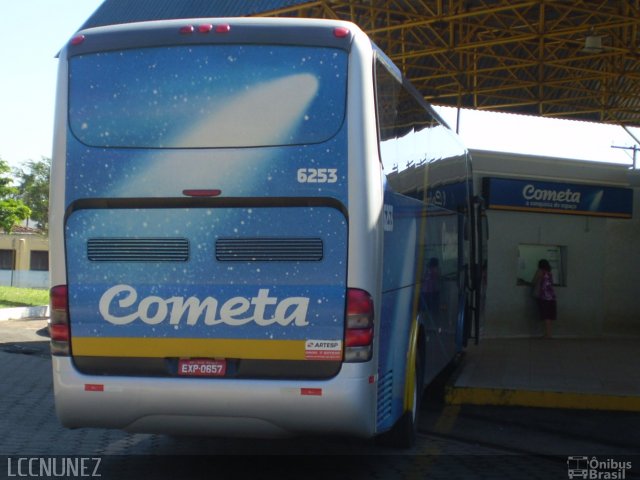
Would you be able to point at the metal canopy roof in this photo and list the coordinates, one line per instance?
(554, 58)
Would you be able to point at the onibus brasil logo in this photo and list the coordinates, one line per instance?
(594, 468)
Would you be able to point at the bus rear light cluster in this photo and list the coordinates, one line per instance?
(359, 326)
(205, 28)
(59, 327)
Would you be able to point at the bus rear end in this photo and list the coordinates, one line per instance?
(200, 232)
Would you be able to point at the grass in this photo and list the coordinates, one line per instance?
(22, 297)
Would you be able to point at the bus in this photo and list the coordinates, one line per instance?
(258, 228)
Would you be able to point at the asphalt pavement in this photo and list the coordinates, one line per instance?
(455, 441)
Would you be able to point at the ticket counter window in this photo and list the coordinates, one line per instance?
(530, 254)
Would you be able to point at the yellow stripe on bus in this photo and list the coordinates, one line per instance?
(189, 347)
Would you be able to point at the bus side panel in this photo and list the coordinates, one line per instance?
(421, 281)
(440, 289)
(57, 181)
(365, 196)
(452, 190)
(400, 266)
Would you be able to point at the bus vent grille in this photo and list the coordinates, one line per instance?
(269, 249)
(138, 249)
(385, 395)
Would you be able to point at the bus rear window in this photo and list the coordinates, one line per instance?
(207, 96)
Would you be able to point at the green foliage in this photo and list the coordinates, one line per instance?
(6, 183)
(12, 212)
(19, 297)
(33, 189)
(12, 209)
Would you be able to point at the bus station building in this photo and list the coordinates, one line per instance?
(583, 217)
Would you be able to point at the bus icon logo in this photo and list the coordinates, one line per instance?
(578, 467)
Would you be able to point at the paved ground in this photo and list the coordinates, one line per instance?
(464, 442)
(594, 374)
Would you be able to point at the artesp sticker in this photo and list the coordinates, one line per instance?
(323, 350)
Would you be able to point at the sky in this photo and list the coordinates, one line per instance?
(35, 30)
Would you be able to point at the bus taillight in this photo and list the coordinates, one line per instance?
(77, 40)
(341, 32)
(59, 327)
(205, 28)
(359, 326)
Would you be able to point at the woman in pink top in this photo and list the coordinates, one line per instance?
(545, 295)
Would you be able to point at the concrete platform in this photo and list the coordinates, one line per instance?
(17, 313)
(593, 374)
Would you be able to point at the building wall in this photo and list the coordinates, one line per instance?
(23, 275)
(622, 274)
(602, 254)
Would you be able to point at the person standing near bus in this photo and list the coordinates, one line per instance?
(545, 295)
(431, 287)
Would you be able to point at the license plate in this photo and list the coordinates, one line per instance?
(202, 367)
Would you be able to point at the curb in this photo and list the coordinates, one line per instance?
(23, 313)
(516, 397)
(543, 399)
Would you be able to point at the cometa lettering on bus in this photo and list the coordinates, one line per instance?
(236, 311)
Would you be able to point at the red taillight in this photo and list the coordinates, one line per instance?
(341, 32)
(187, 30)
(59, 327)
(59, 298)
(359, 307)
(206, 28)
(223, 28)
(358, 338)
(59, 333)
(77, 40)
(214, 192)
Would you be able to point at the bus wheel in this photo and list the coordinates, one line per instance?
(403, 433)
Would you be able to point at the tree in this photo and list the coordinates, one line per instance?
(12, 209)
(33, 189)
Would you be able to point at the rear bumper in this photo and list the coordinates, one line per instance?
(345, 404)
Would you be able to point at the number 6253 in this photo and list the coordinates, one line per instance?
(317, 175)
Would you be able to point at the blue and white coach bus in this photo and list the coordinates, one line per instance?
(258, 228)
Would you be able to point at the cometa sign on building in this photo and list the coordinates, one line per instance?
(556, 197)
